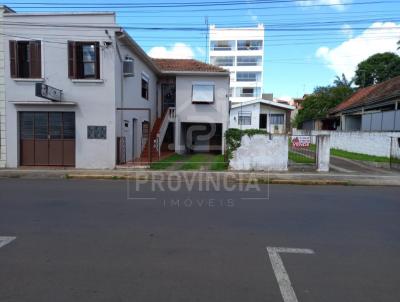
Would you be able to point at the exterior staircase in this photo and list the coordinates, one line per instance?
(157, 136)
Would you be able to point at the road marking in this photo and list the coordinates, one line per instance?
(281, 274)
(6, 240)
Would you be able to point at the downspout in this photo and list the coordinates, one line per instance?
(122, 89)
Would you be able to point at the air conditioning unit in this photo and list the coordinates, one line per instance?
(129, 67)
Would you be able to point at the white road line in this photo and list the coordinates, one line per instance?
(281, 274)
(6, 240)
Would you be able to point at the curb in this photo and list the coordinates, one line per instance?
(239, 177)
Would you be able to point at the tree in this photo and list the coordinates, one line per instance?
(317, 104)
(343, 81)
(377, 68)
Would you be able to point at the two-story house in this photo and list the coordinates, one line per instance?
(80, 92)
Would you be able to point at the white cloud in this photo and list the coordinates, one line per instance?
(336, 4)
(347, 30)
(379, 37)
(178, 51)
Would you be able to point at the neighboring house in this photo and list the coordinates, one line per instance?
(114, 97)
(261, 114)
(241, 51)
(374, 108)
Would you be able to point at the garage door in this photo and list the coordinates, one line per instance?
(47, 138)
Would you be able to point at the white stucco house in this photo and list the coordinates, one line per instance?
(261, 114)
(80, 92)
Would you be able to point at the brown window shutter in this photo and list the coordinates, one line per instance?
(97, 47)
(13, 59)
(35, 63)
(72, 72)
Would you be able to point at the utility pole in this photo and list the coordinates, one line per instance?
(207, 31)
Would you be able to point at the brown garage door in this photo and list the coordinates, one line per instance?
(47, 138)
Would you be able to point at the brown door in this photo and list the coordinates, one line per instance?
(47, 138)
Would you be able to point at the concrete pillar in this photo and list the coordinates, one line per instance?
(323, 152)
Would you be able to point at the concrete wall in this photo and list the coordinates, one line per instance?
(260, 153)
(372, 143)
(129, 95)
(187, 112)
(95, 99)
(2, 97)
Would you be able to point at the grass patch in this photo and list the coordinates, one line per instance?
(219, 163)
(166, 162)
(194, 162)
(300, 159)
(359, 156)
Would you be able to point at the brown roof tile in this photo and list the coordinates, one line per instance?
(186, 65)
(371, 94)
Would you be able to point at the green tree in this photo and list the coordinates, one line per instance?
(377, 68)
(317, 104)
(343, 81)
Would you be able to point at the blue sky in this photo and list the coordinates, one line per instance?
(306, 42)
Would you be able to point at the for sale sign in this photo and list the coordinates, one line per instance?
(301, 141)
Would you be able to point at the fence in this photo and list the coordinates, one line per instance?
(302, 151)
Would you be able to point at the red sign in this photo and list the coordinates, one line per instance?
(301, 141)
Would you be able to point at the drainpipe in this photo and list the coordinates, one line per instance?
(122, 89)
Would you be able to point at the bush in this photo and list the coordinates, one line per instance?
(234, 136)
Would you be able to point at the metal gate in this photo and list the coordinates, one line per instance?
(47, 138)
(395, 153)
(302, 151)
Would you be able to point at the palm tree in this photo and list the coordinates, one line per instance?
(343, 81)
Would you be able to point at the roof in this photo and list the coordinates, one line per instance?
(186, 65)
(265, 102)
(371, 94)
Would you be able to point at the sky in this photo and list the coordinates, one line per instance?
(307, 42)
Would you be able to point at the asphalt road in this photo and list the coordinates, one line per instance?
(85, 241)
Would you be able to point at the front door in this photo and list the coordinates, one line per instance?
(168, 96)
(47, 138)
(263, 121)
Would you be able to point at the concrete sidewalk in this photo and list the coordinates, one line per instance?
(303, 178)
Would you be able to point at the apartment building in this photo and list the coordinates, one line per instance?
(80, 92)
(241, 51)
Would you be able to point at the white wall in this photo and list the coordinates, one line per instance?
(95, 99)
(186, 111)
(131, 97)
(2, 97)
(372, 143)
(260, 153)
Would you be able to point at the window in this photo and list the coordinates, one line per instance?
(249, 44)
(249, 61)
(97, 132)
(248, 76)
(222, 61)
(145, 87)
(277, 119)
(83, 60)
(244, 118)
(249, 91)
(203, 93)
(25, 59)
(222, 45)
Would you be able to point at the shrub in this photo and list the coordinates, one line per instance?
(234, 136)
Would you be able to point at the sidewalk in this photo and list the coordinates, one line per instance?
(301, 178)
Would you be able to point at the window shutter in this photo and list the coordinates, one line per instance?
(35, 63)
(97, 47)
(72, 64)
(13, 59)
